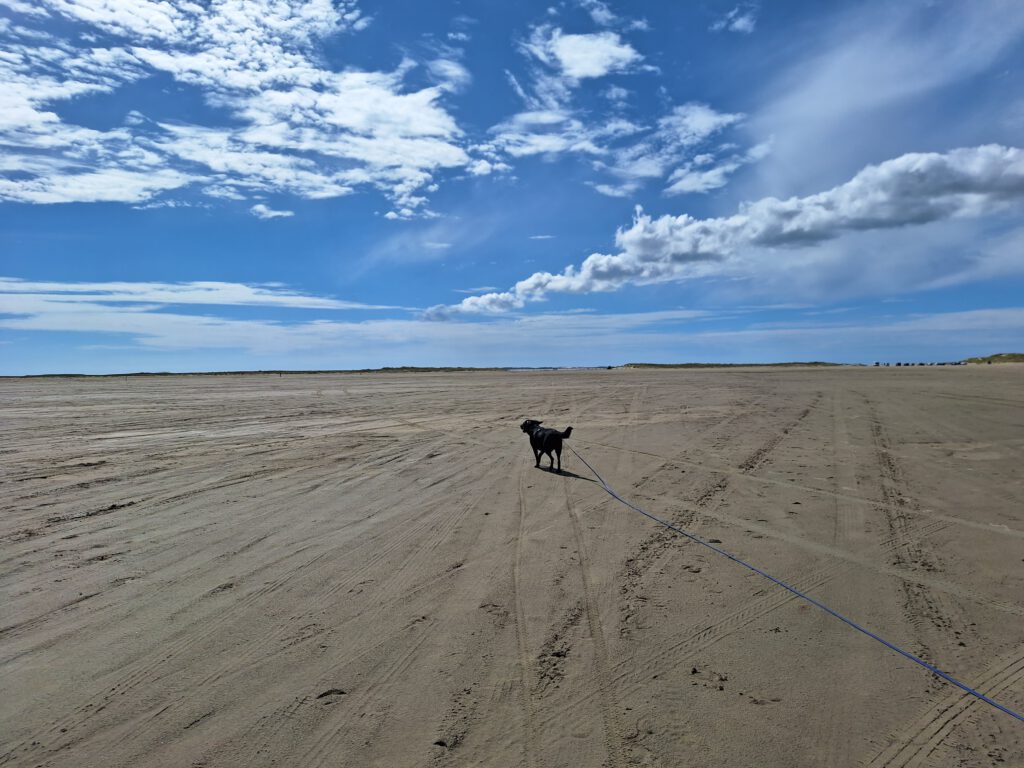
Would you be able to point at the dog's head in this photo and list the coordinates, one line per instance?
(529, 425)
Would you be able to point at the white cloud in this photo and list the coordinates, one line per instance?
(485, 167)
(580, 338)
(671, 145)
(223, 192)
(692, 123)
(48, 161)
(704, 173)
(106, 185)
(519, 90)
(617, 190)
(739, 19)
(616, 94)
(541, 237)
(592, 55)
(913, 189)
(599, 12)
(29, 296)
(630, 151)
(543, 132)
(19, 6)
(690, 178)
(582, 56)
(602, 15)
(302, 128)
(449, 73)
(633, 153)
(152, 327)
(261, 211)
(561, 62)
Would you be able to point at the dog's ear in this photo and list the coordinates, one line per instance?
(538, 422)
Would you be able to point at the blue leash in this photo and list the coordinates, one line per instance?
(803, 596)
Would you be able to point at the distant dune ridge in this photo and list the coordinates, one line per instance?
(1001, 357)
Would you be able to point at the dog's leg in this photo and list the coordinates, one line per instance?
(558, 452)
(536, 457)
(551, 458)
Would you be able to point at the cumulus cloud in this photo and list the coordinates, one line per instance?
(486, 167)
(299, 126)
(581, 56)
(593, 55)
(912, 189)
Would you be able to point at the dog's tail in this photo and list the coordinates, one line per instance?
(568, 431)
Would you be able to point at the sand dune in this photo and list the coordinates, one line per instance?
(367, 570)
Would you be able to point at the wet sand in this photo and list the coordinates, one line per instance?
(367, 569)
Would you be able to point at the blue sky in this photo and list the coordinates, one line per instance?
(260, 184)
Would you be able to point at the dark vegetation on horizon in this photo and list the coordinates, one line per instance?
(1002, 357)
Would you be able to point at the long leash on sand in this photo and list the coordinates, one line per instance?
(803, 596)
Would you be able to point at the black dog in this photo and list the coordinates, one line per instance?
(544, 440)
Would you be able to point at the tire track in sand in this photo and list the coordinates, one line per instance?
(613, 730)
(373, 698)
(524, 665)
(810, 489)
(519, 619)
(395, 536)
(698, 638)
(915, 743)
(834, 741)
(401, 585)
(709, 497)
(766, 600)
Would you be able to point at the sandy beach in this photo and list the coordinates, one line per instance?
(367, 569)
